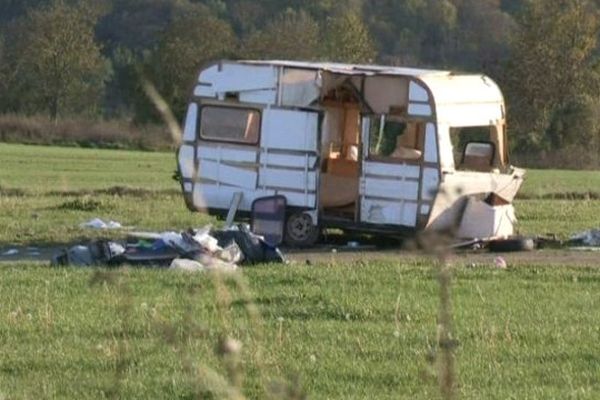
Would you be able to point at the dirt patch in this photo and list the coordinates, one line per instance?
(549, 258)
(331, 254)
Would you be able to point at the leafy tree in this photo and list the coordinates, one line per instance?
(439, 21)
(11, 9)
(292, 35)
(59, 65)
(247, 15)
(484, 32)
(513, 7)
(124, 95)
(191, 40)
(3, 70)
(415, 31)
(551, 64)
(577, 124)
(396, 28)
(138, 25)
(347, 39)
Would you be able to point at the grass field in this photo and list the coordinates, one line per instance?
(344, 331)
(49, 191)
(362, 329)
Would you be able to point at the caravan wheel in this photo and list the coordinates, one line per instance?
(300, 231)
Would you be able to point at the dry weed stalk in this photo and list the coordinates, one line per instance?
(123, 311)
(438, 245)
(446, 343)
(228, 348)
(165, 111)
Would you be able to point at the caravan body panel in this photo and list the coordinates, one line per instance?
(306, 131)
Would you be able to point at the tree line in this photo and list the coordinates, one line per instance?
(88, 58)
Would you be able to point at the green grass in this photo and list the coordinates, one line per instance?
(54, 178)
(560, 217)
(44, 169)
(365, 329)
(540, 183)
(55, 183)
(345, 331)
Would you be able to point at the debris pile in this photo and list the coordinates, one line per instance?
(589, 238)
(98, 223)
(192, 250)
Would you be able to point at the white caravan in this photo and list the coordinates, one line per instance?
(357, 147)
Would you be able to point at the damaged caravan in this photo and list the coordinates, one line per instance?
(356, 147)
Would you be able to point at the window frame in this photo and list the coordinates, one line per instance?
(396, 160)
(496, 133)
(203, 138)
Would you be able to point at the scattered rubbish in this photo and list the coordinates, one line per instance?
(353, 246)
(253, 247)
(232, 254)
(145, 235)
(474, 244)
(116, 248)
(97, 223)
(80, 255)
(492, 216)
(95, 253)
(549, 241)
(268, 218)
(186, 265)
(589, 248)
(515, 243)
(192, 250)
(588, 238)
(197, 266)
(21, 253)
(500, 263)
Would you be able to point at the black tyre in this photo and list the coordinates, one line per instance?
(512, 244)
(300, 231)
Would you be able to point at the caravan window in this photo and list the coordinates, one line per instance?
(392, 139)
(230, 124)
(480, 148)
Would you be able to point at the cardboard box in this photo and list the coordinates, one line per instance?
(481, 220)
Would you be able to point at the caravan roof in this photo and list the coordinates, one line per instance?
(454, 99)
(350, 68)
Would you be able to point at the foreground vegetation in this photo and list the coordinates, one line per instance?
(347, 331)
(360, 329)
